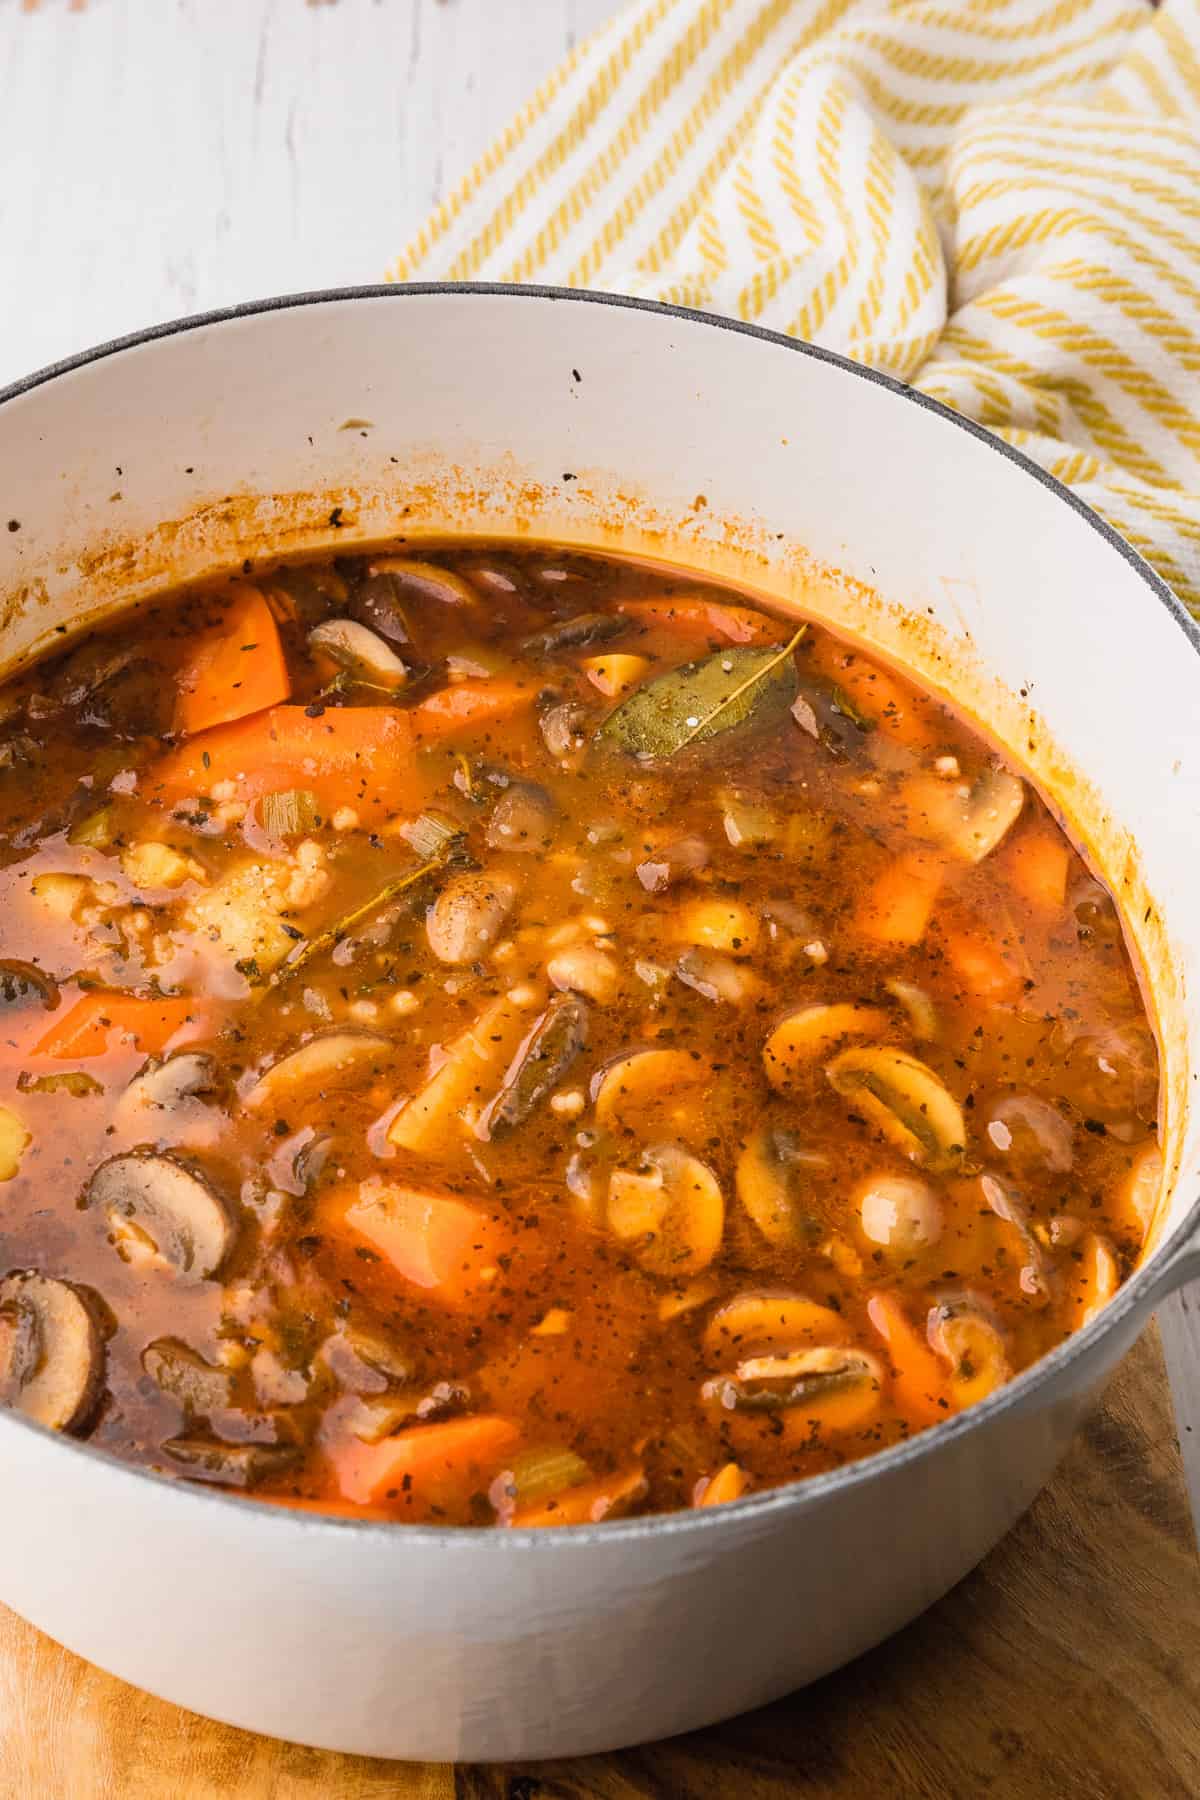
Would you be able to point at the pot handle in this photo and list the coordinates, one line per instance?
(1180, 1269)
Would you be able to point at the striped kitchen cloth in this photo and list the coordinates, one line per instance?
(997, 201)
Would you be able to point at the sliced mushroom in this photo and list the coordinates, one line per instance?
(670, 1211)
(377, 604)
(365, 1361)
(466, 919)
(766, 1320)
(184, 1076)
(51, 1351)
(24, 984)
(97, 661)
(361, 652)
(967, 1338)
(181, 1372)
(922, 1014)
(1030, 1134)
(826, 1389)
(544, 1058)
(900, 1213)
(425, 580)
(130, 698)
(524, 818)
(328, 1062)
(803, 1036)
(969, 821)
(231, 1465)
(158, 1206)
(573, 634)
(493, 576)
(650, 1089)
(1007, 1204)
(773, 1175)
(903, 1099)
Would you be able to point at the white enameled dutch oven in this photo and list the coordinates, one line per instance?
(344, 418)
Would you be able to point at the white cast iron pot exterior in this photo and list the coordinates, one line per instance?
(422, 1643)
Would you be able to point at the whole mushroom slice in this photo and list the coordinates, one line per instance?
(158, 1205)
(827, 1389)
(231, 1465)
(361, 652)
(424, 581)
(969, 821)
(670, 1211)
(549, 1051)
(810, 1032)
(967, 1338)
(772, 1179)
(903, 1098)
(181, 1372)
(183, 1076)
(332, 1060)
(465, 921)
(51, 1351)
(649, 1089)
(766, 1320)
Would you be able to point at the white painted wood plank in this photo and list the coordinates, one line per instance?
(164, 156)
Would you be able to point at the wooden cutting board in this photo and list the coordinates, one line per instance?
(1067, 1667)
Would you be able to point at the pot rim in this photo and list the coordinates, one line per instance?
(1142, 1287)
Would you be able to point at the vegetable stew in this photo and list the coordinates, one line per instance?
(505, 1037)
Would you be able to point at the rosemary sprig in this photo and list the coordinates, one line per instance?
(333, 934)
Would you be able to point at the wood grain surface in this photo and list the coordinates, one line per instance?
(1064, 1668)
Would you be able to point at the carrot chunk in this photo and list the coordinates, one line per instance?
(588, 1502)
(101, 1019)
(442, 1245)
(980, 965)
(919, 1379)
(239, 668)
(897, 908)
(893, 707)
(729, 1483)
(358, 756)
(1038, 863)
(469, 706)
(427, 1464)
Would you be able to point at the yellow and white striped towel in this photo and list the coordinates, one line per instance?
(996, 200)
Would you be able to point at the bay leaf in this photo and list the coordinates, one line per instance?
(745, 684)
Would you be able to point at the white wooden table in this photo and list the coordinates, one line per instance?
(160, 157)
